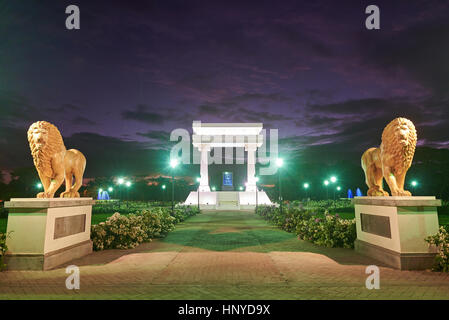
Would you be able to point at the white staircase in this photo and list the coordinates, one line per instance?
(228, 200)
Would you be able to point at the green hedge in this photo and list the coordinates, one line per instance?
(329, 231)
(124, 232)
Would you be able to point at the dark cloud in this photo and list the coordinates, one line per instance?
(80, 120)
(144, 114)
(65, 108)
(417, 50)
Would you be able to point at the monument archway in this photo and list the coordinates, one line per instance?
(227, 135)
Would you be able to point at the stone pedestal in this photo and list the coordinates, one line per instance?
(229, 200)
(392, 230)
(47, 232)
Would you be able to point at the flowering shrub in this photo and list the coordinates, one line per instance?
(3, 249)
(329, 231)
(441, 241)
(120, 232)
(184, 212)
(125, 232)
(157, 222)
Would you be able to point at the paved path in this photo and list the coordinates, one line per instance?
(225, 255)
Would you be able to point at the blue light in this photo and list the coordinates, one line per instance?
(350, 195)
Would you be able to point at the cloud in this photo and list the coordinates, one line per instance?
(145, 114)
(67, 107)
(80, 120)
(418, 50)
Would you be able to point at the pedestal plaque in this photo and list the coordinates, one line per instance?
(47, 232)
(392, 230)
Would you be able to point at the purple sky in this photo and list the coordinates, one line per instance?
(138, 69)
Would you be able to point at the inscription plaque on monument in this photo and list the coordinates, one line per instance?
(378, 225)
(227, 184)
(66, 226)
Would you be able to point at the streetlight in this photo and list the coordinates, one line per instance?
(173, 164)
(127, 184)
(306, 187)
(279, 164)
(198, 192)
(326, 183)
(120, 181)
(333, 180)
(414, 184)
(163, 192)
(39, 185)
(110, 189)
(257, 193)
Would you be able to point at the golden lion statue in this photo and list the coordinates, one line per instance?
(392, 160)
(53, 162)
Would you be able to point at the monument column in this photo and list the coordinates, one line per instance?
(204, 179)
(251, 181)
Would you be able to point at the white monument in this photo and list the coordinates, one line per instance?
(228, 135)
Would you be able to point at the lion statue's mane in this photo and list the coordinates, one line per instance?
(392, 145)
(42, 157)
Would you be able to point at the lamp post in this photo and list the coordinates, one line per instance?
(110, 189)
(279, 163)
(128, 185)
(306, 187)
(120, 181)
(163, 192)
(173, 164)
(414, 184)
(198, 192)
(333, 180)
(257, 193)
(326, 183)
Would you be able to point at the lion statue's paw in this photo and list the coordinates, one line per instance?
(70, 194)
(377, 193)
(44, 195)
(402, 193)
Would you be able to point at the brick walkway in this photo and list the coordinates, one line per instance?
(227, 255)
